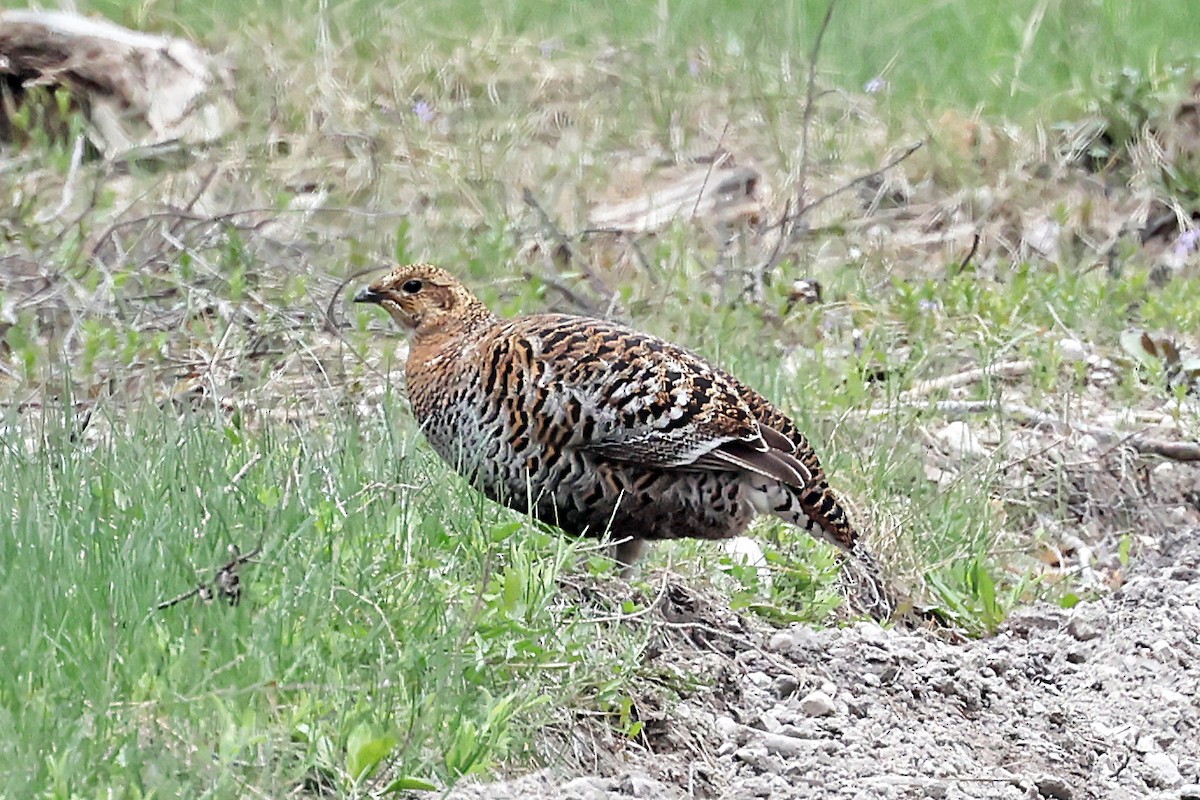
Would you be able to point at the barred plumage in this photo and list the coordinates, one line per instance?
(596, 428)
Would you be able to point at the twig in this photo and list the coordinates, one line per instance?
(629, 238)
(241, 473)
(622, 617)
(772, 261)
(331, 323)
(789, 219)
(721, 158)
(1146, 445)
(810, 102)
(970, 254)
(564, 242)
(225, 582)
(68, 192)
(573, 297)
(804, 210)
(1003, 369)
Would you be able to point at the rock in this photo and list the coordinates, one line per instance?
(1162, 771)
(817, 704)
(1040, 618)
(639, 785)
(1190, 792)
(781, 642)
(1053, 787)
(785, 686)
(1072, 350)
(758, 678)
(731, 731)
(788, 746)
(589, 787)
(757, 757)
(767, 722)
(960, 441)
(1086, 628)
(937, 790)
(1145, 744)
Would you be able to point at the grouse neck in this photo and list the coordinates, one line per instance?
(444, 330)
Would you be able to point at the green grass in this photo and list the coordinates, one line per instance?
(1013, 58)
(394, 617)
(388, 611)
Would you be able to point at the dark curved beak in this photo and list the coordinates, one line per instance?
(368, 295)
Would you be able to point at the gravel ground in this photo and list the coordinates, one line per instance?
(1100, 701)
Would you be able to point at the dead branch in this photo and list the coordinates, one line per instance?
(789, 220)
(1004, 369)
(810, 102)
(970, 254)
(825, 198)
(1024, 415)
(137, 89)
(225, 584)
(564, 243)
(722, 193)
(68, 192)
(628, 237)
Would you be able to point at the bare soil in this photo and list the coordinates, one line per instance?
(1098, 701)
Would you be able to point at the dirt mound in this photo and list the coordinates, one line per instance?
(1099, 701)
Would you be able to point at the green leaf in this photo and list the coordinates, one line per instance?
(365, 750)
(1069, 600)
(514, 588)
(409, 784)
(985, 589)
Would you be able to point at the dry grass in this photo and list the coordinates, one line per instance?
(671, 192)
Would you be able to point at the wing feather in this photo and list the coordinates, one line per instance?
(655, 404)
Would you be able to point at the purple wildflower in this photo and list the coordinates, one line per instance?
(1187, 242)
(424, 111)
(875, 85)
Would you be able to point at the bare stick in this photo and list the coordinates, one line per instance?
(564, 242)
(68, 192)
(788, 220)
(804, 210)
(810, 102)
(226, 582)
(630, 239)
(241, 473)
(970, 254)
(1004, 369)
(1146, 445)
(331, 322)
(713, 163)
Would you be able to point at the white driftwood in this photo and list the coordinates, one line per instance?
(137, 89)
(717, 193)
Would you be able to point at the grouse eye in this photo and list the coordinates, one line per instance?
(411, 287)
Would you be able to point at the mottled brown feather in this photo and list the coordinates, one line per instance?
(598, 428)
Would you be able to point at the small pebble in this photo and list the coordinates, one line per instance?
(781, 642)
(1072, 350)
(817, 704)
(638, 785)
(786, 686)
(786, 746)
(1085, 629)
(1163, 772)
(589, 787)
(1053, 787)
